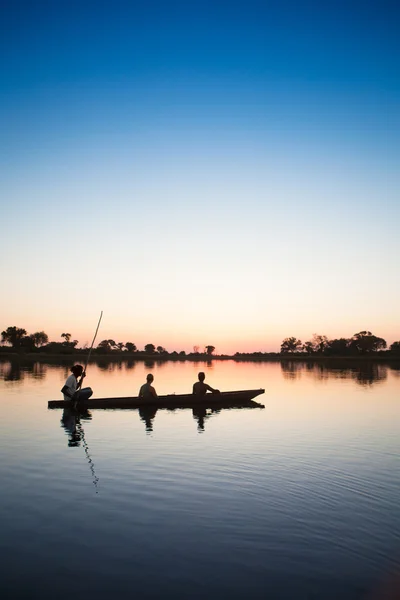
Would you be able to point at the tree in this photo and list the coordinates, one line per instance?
(39, 338)
(27, 343)
(365, 342)
(130, 347)
(320, 342)
(66, 336)
(13, 335)
(210, 350)
(290, 345)
(106, 346)
(149, 348)
(120, 345)
(308, 347)
(196, 349)
(338, 347)
(395, 347)
(161, 350)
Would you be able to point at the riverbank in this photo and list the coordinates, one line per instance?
(76, 357)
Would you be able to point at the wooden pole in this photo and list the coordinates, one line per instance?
(91, 347)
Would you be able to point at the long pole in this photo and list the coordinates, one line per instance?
(91, 347)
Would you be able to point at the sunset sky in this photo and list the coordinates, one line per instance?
(220, 173)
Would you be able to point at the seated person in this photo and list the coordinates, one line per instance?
(72, 388)
(147, 391)
(200, 388)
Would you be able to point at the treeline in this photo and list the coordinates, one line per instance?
(19, 340)
(362, 343)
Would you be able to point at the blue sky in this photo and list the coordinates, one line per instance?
(221, 173)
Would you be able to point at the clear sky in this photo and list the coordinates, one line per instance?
(220, 173)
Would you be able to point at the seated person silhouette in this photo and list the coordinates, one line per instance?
(73, 390)
(200, 388)
(147, 391)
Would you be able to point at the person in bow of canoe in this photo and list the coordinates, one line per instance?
(147, 391)
(72, 389)
(200, 388)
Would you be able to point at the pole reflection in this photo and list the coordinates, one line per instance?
(71, 422)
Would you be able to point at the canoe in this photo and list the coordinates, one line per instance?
(222, 399)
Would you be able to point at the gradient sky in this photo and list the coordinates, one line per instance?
(204, 173)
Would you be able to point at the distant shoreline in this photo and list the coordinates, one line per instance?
(157, 358)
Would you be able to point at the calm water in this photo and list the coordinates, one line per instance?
(299, 500)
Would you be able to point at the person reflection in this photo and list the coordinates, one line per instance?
(69, 422)
(147, 415)
(200, 415)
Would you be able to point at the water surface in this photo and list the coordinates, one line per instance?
(299, 500)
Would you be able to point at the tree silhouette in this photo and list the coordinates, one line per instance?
(290, 345)
(27, 343)
(130, 347)
(149, 348)
(66, 336)
(308, 347)
(320, 342)
(338, 347)
(13, 335)
(120, 345)
(161, 350)
(106, 345)
(395, 347)
(210, 350)
(39, 338)
(196, 349)
(365, 342)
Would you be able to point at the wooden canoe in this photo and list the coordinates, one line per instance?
(218, 400)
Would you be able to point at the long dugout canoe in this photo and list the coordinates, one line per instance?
(215, 400)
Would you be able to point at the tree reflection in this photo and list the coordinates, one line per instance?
(39, 370)
(291, 369)
(321, 372)
(370, 373)
(13, 372)
(363, 372)
(105, 364)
